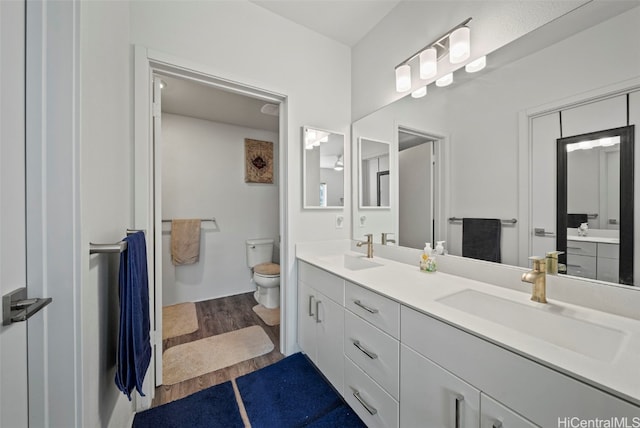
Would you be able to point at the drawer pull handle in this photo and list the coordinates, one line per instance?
(372, 410)
(496, 424)
(574, 248)
(311, 299)
(365, 307)
(318, 311)
(458, 411)
(364, 350)
(573, 266)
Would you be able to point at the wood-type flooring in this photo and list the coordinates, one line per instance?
(216, 317)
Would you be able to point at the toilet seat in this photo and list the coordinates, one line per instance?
(267, 270)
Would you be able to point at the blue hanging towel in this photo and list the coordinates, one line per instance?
(134, 345)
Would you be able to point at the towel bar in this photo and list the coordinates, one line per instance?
(213, 219)
(118, 247)
(504, 221)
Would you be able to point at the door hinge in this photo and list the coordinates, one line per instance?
(156, 110)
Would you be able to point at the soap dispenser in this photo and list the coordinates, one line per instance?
(425, 256)
(440, 247)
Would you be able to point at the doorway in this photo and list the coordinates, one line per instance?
(416, 188)
(222, 239)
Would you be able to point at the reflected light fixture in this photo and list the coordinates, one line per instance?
(420, 92)
(403, 78)
(459, 45)
(456, 43)
(476, 65)
(445, 80)
(339, 166)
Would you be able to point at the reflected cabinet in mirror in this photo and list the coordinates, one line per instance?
(496, 147)
(323, 168)
(373, 170)
(595, 230)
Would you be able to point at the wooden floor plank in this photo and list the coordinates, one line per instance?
(219, 316)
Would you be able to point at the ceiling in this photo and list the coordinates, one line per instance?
(344, 21)
(188, 98)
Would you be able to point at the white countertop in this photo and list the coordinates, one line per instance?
(421, 291)
(599, 239)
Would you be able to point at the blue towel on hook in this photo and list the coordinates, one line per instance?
(134, 345)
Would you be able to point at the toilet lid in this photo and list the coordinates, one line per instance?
(267, 269)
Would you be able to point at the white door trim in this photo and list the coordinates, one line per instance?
(146, 63)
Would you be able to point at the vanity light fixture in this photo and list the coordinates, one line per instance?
(476, 65)
(586, 145)
(445, 80)
(420, 92)
(313, 138)
(455, 43)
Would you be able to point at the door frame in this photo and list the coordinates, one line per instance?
(525, 155)
(147, 62)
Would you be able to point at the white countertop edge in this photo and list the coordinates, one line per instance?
(613, 378)
(597, 239)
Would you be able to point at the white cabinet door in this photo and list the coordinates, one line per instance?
(432, 397)
(330, 333)
(495, 415)
(13, 337)
(307, 321)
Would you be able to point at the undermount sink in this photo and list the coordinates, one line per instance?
(586, 338)
(353, 262)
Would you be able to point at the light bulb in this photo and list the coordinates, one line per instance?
(420, 92)
(476, 65)
(403, 78)
(445, 80)
(459, 45)
(428, 63)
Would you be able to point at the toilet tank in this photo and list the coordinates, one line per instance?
(259, 251)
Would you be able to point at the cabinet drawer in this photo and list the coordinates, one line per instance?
(582, 266)
(373, 404)
(380, 311)
(328, 284)
(609, 251)
(581, 248)
(536, 392)
(374, 351)
(495, 415)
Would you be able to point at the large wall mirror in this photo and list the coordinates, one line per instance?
(496, 133)
(595, 204)
(322, 168)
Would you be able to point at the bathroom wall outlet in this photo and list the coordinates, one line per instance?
(339, 221)
(363, 220)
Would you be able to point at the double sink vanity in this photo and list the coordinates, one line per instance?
(412, 349)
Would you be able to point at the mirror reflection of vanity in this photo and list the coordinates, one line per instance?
(497, 130)
(323, 168)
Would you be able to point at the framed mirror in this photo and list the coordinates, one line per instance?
(595, 200)
(322, 169)
(374, 173)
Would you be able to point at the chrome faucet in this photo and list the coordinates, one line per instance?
(537, 277)
(385, 238)
(369, 243)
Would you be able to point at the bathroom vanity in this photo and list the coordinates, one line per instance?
(407, 348)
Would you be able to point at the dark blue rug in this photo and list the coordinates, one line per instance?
(291, 393)
(214, 407)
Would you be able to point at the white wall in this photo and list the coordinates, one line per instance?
(203, 177)
(106, 200)
(414, 197)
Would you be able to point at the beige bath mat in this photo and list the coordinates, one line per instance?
(179, 319)
(269, 316)
(203, 356)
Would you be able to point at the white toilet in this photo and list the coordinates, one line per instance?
(266, 274)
